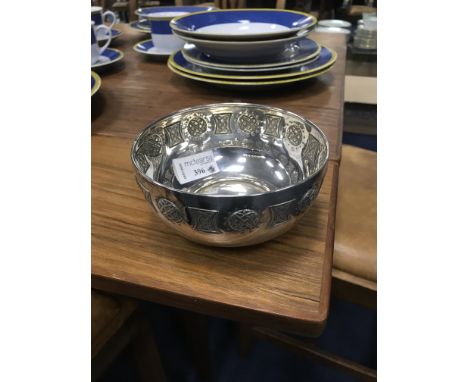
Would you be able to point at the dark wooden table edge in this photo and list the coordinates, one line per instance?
(312, 327)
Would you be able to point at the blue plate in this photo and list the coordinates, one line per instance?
(305, 50)
(171, 10)
(147, 48)
(242, 24)
(325, 60)
(108, 57)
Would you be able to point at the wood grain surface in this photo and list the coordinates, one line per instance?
(140, 89)
(284, 283)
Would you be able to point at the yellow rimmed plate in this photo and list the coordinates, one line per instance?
(326, 58)
(247, 84)
(95, 83)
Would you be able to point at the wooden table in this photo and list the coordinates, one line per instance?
(284, 283)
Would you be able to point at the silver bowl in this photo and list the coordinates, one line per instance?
(244, 173)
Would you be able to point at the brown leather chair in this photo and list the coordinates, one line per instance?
(232, 4)
(355, 256)
(118, 323)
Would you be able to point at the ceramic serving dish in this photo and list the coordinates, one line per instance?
(242, 24)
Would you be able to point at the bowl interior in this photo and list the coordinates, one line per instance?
(242, 22)
(255, 149)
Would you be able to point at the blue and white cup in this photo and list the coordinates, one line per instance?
(161, 32)
(96, 51)
(99, 16)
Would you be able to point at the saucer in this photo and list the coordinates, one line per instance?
(140, 26)
(115, 33)
(95, 83)
(147, 48)
(108, 57)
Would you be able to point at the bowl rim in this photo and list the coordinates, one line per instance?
(139, 11)
(312, 19)
(303, 33)
(236, 104)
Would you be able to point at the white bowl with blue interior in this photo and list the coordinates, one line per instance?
(158, 19)
(143, 23)
(242, 24)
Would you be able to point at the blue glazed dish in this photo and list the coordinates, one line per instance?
(242, 24)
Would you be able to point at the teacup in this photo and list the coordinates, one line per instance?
(161, 32)
(96, 51)
(98, 16)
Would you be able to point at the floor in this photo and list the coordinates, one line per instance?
(351, 330)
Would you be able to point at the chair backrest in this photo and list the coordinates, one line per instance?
(232, 4)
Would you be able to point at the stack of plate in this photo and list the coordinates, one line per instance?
(248, 47)
(365, 36)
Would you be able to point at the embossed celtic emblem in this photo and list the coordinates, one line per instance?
(294, 134)
(196, 124)
(243, 220)
(174, 137)
(280, 213)
(248, 123)
(169, 210)
(272, 125)
(141, 160)
(204, 220)
(222, 123)
(152, 144)
(310, 153)
(308, 197)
